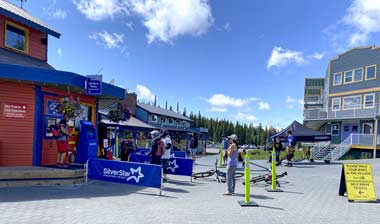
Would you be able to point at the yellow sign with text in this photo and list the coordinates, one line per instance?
(359, 182)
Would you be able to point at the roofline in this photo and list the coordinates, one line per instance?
(40, 75)
(188, 119)
(30, 23)
(355, 48)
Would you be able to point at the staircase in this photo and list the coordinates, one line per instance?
(322, 151)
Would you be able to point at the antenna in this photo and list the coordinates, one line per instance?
(22, 2)
(101, 69)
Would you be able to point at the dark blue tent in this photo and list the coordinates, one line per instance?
(302, 134)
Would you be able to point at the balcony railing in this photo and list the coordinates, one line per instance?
(328, 113)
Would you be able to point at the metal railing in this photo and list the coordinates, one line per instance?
(319, 148)
(354, 139)
(329, 113)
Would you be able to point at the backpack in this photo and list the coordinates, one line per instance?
(55, 130)
(294, 142)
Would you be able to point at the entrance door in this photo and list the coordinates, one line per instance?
(349, 129)
(368, 128)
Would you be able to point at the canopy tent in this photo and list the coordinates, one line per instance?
(302, 134)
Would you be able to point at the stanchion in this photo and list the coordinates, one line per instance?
(221, 157)
(274, 176)
(117, 145)
(247, 200)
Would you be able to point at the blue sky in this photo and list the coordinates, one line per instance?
(239, 60)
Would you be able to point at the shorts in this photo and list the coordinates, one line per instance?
(165, 164)
(193, 151)
(62, 146)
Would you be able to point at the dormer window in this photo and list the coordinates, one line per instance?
(16, 37)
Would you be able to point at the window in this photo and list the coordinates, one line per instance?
(163, 120)
(358, 75)
(348, 77)
(369, 101)
(335, 104)
(337, 79)
(352, 102)
(170, 121)
(367, 128)
(370, 72)
(16, 37)
(153, 118)
(335, 130)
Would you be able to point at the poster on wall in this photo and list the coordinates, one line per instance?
(14, 110)
(51, 108)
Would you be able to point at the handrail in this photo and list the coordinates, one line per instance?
(329, 113)
(353, 139)
(319, 147)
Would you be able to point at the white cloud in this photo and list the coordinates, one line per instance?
(254, 99)
(317, 55)
(167, 19)
(52, 12)
(101, 9)
(264, 106)
(361, 19)
(59, 52)
(227, 27)
(243, 117)
(108, 40)
(221, 100)
(129, 25)
(218, 109)
(292, 103)
(281, 57)
(144, 93)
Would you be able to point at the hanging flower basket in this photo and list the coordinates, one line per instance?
(66, 106)
(120, 113)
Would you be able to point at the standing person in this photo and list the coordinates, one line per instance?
(167, 141)
(193, 146)
(225, 143)
(157, 148)
(278, 148)
(290, 148)
(232, 163)
(62, 141)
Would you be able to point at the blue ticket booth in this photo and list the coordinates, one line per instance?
(87, 143)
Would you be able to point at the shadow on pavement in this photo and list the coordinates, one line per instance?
(262, 197)
(91, 190)
(262, 206)
(175, 190)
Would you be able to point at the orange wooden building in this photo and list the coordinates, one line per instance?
(30, 89)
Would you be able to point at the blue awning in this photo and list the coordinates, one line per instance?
(54, 77)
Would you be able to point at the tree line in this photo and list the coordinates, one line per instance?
(247, 133)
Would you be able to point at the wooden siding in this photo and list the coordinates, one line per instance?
(36, 48)
(16, 134)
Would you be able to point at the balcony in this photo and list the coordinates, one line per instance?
(329, 114)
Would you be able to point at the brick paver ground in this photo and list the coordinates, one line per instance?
(311, 196)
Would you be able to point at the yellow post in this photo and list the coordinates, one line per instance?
(274, 175)
(117, 146)
(247, 199)
(221, 157)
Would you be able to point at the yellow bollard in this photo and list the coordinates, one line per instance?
(274, 175)
(221, 158)
(247, 199)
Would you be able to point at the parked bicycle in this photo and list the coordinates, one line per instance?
(267, 178)
(220, 175)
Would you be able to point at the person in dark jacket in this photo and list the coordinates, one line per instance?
(157, 148)
(278, 149)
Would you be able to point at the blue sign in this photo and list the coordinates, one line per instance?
(180, 166)
(139, 158)
(93, 85)
(140, 174)
(178, 154)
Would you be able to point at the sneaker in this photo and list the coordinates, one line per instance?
(65, 165)
(227, 194)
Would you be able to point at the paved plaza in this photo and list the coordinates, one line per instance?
(310, 196)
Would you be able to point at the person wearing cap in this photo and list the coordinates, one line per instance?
(232, 163)
(157, 148)
(167, 141)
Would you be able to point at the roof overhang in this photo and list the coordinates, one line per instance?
(55, 78)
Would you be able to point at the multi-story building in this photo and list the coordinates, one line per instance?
(349, 106)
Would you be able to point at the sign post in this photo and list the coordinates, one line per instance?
(247, 200)
(357, 181)
(274, 175)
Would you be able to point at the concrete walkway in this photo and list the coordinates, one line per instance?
(311, 196)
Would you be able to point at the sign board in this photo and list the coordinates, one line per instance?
(51, 108)
(140, 174)
(14, 110)
(357, 181)
(93, 85)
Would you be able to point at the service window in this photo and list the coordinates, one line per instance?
(84, 114)
(16, 37)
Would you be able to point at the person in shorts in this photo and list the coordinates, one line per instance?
(290, 148)
(62, 141)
